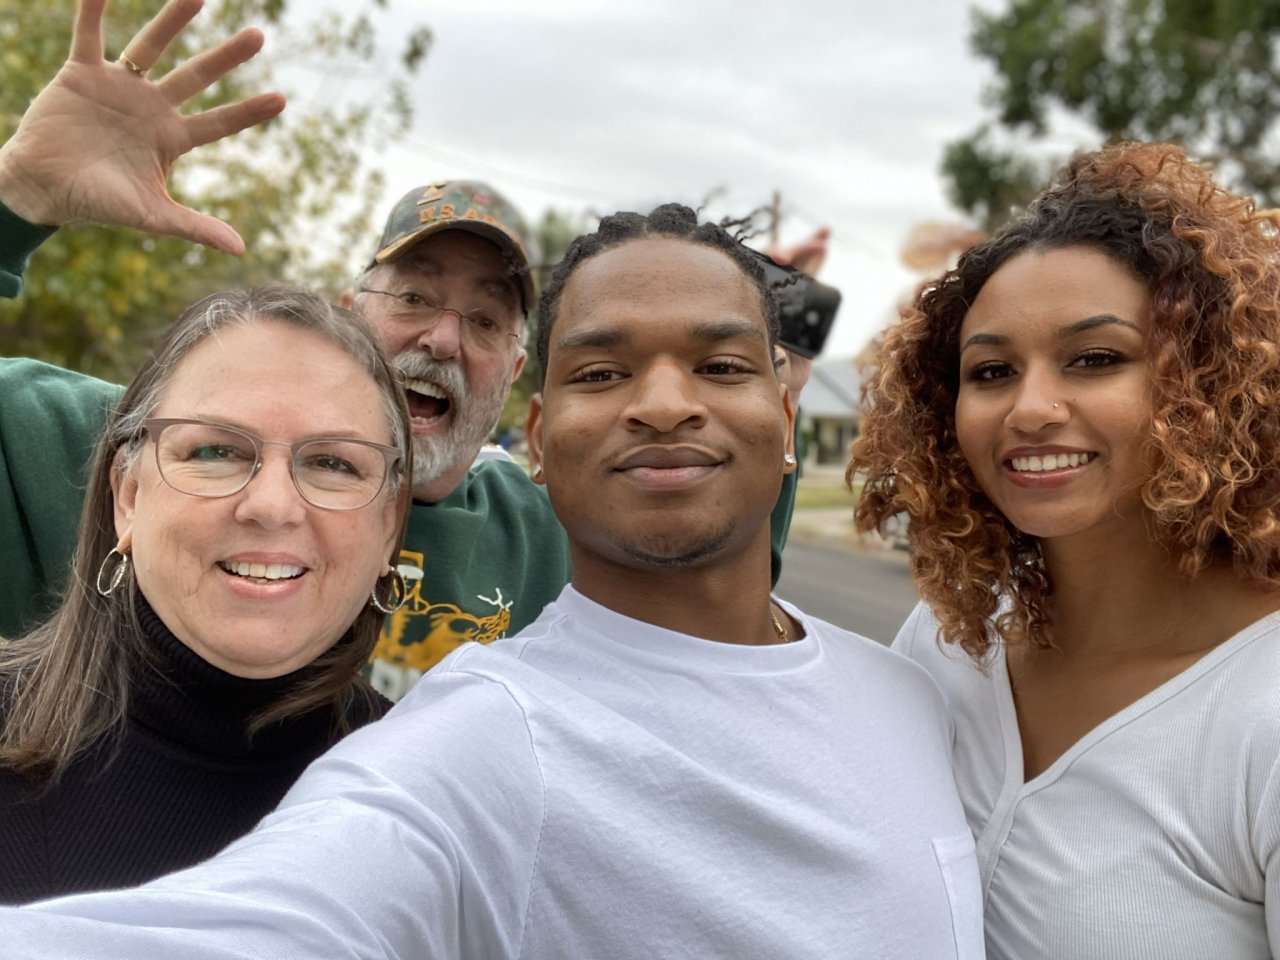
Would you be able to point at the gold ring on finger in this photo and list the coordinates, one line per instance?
(133, 67)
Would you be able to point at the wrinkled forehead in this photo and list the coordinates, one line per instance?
(463, 261)
(253, 365)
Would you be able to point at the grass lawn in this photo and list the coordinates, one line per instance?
(818, 494)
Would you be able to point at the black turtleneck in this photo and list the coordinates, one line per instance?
(180, 782)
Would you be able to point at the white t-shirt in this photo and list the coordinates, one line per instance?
(1157, 835)
(593, 787)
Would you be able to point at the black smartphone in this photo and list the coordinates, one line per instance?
(807, 307)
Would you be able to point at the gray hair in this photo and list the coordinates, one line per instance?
(67, 681)
(280, 303)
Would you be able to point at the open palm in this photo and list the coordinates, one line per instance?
(99, 140)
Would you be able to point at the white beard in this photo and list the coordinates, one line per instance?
(474, 417)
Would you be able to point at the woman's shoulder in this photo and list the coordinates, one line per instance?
(920, 639)
(1243, 675)
(917, 632)
(966, 684)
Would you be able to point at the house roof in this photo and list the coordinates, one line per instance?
(832, 391)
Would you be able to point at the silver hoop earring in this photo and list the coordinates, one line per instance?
(393, 589)
(789, 460)
(111, 574)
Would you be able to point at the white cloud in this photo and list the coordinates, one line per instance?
(842, 105)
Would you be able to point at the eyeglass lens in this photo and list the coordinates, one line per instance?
(482, 327)
(204, 460)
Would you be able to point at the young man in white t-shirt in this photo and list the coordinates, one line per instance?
(668, 762)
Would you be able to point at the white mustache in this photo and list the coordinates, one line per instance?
(415, 365)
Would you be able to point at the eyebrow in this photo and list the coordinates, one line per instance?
(341, 433)
(503, 287)
(419, 264)
(504, 290)
(1070, 330)
(708, 331)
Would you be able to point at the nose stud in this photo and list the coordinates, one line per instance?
(1055, 406)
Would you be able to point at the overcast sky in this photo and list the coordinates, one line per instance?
(842, 105)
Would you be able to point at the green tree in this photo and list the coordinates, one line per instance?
(1204, 73)
(95, 298)
(988, 182)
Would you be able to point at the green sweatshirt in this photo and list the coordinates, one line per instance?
(481, 563)
(50, 422)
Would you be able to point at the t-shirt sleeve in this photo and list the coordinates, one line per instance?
(50, 423)
(918, 623)
(18, 240)
(917, 640)
(415, 837)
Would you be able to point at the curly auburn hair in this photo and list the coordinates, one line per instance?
(1211, 263)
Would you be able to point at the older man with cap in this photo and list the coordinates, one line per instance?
(447, 290)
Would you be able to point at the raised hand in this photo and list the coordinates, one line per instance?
(809, 255)
(98, 141)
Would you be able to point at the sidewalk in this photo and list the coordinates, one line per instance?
(833, 527)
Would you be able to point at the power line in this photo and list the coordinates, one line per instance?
(506, 175)
(842, 235)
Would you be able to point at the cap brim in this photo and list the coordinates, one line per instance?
(505, 242)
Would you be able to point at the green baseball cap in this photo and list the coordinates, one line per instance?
(459, 205)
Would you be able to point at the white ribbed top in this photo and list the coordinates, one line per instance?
(1157, 835)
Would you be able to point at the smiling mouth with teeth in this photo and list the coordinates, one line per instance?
(264, 571)
(1050, 461)
(427, 402)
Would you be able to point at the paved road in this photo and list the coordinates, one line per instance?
(868, 592)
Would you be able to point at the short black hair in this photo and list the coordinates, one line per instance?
(672, 220)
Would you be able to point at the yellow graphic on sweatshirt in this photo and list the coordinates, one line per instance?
(422, 633)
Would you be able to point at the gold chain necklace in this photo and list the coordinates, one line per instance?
(778, 628)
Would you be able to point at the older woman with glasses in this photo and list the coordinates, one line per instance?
(232, 569)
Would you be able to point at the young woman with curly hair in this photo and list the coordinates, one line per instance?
(1082, 420)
